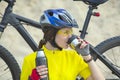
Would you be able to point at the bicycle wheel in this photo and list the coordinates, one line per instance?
(9, 69)
(109, 48)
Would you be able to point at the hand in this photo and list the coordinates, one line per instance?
(42, 71)
(83, 47)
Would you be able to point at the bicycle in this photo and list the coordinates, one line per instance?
(9, 62)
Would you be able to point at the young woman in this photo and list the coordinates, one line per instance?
(62, 63)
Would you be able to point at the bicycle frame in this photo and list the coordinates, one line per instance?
(93, 51)
(15, 20)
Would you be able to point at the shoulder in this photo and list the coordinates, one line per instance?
(31, 56)
(71, 52)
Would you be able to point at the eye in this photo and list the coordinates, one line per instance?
(65, 32)
(68, 32)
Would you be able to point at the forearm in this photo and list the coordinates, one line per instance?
(96, 73)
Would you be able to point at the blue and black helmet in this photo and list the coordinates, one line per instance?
(58, 18)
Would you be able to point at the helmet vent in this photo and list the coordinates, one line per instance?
(50, 13)
(60, 17)
(43, 17)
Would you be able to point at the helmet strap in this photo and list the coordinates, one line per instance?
(49, 35)
(54, 44)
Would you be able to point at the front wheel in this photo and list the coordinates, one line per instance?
(110, 48)
(9, 69)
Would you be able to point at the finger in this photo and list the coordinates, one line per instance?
(80, 40)
(86, 42)
(43, 76)
(41, 66)
(43, 73)
(83, 44)
(41, 69)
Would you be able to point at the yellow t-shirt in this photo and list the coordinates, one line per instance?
(62, 65)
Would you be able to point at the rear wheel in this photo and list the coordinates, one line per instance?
(110, 48)
(9, 68)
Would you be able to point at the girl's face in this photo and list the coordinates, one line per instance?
(62, 37)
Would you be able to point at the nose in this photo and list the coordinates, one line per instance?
(70, 35)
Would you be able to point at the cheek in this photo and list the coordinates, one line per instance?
(60, 40)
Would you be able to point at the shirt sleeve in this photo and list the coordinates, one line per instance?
(85, 73)
(25, 70)
(84, 69)
(27, 66)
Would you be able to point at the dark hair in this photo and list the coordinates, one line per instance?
(41, 43)
(49, 35)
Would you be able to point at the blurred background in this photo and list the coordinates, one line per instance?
(100, 28)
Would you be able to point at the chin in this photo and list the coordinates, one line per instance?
(65, 47)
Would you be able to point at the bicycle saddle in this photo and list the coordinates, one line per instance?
(93, 2)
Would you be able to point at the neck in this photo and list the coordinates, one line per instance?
(49, 46)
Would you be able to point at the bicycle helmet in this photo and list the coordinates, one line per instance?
(58, 18)
(54, 19)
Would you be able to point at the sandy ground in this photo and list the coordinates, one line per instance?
(100, 28)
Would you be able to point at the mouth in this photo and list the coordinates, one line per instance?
(67, 44)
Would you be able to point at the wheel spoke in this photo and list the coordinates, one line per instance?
(112, 56)
(110, 48)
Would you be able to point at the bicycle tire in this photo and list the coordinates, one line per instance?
(9, 63)
(107, 48)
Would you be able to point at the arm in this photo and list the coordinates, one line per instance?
(96, 74)
(83, 49)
